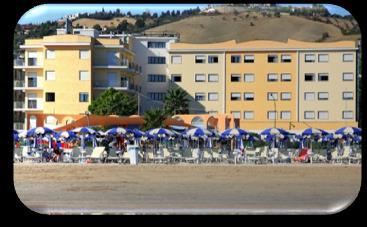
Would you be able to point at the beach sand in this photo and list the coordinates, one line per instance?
(186, 188)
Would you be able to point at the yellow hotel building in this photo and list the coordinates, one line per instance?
(61, 74)
(252, 85)
(270, 83)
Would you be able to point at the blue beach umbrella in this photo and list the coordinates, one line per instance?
(136, 133)
(65, 134)
(116, 131)
(161, 132)
(39, 131)
(198, 132)
(273, 133)
(234, 132)
(85, 130)
(314, 131)
(349, 131)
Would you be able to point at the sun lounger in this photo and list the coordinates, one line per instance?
(29, 155)
(112, 156)
(125, 158)
(319, 158)
(216, 156)
(149, 156)
(207, 156)
(67, 155)
(252, 155)
(98, 154)
(303, 156)
(335, 158)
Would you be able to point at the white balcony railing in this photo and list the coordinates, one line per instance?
(19, 83)
(19, 105)
(18, 62)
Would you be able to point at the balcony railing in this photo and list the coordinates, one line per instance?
(32, 61)
(32, 104)
(18, 125)
(18, 62)
(105, 84)
(19, 105)
(19, 83)
(32, 83)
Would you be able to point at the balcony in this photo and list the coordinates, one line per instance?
(123, 85)
(33, 85)
(19, 105)
(19, 84)
(18, 125)
(19, 62)
(33, 63)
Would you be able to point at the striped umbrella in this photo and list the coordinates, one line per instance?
(161, 132)
(66, 134)
(136, 133)
(86, 130)
(39, 131)
(349, 131)
(314, 131)
(116, 131)
(198, 133)
(15, 135)
(234, 132)
(274, 132)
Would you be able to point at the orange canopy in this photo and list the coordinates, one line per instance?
(95, 120)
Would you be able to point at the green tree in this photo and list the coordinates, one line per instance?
(153, 119)
(113, 102)
(140, 23)
(176, 102)
(122, 26)
(97, 27)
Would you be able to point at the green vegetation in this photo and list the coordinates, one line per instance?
(153, 119)
(113, 102)
(176, 102)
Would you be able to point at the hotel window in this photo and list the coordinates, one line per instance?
(200, 96)
(248, 115)
(156, 60)
(249, 59)
(156, 45)
(212, 96)
(235, 77)
(236, 114)
(249, 96)
(347, 57)
(32, 58)
(50, 96)
(158, 96)
(347, 114)
(83, 97)
(348, 76)
(84, 54)
(156, 78)
(310, 58)
(176, 59)
(213, 78)
(272, 77)
(176, 77)
(212, 59)
(323, 115)
(286, 77)
(286, 58)
(309, 96)
(199, 77)
(323, 77)
(83, 75)
(199, 59)
(32, 79)
(285, 96)
(272, 58)
(235, 58)
(272, 115)
(272, 96)
(32, 101)
(323, 95)
(323, 58)
(285, 115)
(50, 54)
(309, 115)
(249, 77)
(309, 77)
(50, 75)
(235, 96)
(212, 112)
(347, 95)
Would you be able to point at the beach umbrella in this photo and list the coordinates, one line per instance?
(136, 133)
(198, 132)
(15, 135)
(39, 131)
(234, 132)
(161, 132)
(273, 133)
(66, 134)
(314, 131)
(349, 131)
(84, 130)
(116, 131)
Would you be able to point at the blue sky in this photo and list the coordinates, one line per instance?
(46, 12)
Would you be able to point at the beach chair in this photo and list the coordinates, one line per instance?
(207, 156)
(176, 156)
(303, 156)
(335, 156)
(29, 155)
(98, 154)
(252, 155)
(346, 157)
(192, 156)
(112, 156)
(149, 156)
(216, 156)
(264, 156)
(319, 158)
(125, 158)
(284, 158)
(359, 158)
(67, 155)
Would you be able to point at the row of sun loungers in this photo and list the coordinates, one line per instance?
(259, 155)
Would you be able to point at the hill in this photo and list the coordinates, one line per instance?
(89, 22)
(244, 26)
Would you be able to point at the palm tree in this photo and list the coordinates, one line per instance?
(153, 119)
(176, 102)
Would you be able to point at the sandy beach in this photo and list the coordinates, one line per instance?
(186, 188)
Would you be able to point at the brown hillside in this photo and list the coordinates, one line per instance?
(88, 22)
(218, 28)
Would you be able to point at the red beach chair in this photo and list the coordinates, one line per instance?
(303, 156)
